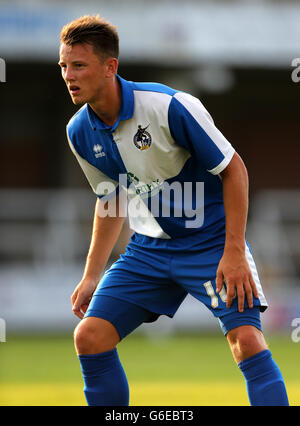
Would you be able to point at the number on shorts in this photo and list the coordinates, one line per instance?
(213, 297)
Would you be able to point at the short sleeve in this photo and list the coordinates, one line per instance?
(192, 127)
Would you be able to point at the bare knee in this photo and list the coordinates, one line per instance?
(245, 341)
(95, 335)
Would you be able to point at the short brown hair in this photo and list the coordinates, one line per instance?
(94, 30)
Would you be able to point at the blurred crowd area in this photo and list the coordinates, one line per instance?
(238, 57)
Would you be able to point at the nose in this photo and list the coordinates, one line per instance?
(68, 74)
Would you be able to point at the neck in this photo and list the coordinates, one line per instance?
(108, 105)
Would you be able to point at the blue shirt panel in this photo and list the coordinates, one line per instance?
(175, 225)
(188, 133)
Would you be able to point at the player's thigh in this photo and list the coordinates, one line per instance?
(196, 272)
(119, 317)
(106, 322)
(137, 288)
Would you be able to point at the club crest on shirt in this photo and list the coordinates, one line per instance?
(142, 139)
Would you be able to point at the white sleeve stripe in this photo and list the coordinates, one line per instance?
(217, 170)
(201, 115)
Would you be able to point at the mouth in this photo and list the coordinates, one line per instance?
(74, 90)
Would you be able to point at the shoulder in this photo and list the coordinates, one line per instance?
(78, 122)
(155, 98)
(175, 100)
(158, 88)
(185, 104)
(188, 101)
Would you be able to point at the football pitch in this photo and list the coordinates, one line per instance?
(175, 370)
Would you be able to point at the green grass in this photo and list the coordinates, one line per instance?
(174, 370)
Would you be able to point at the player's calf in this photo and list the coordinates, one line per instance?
(245, 341)
(265, 384)
(105, 382)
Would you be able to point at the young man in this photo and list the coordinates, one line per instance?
(174, 160)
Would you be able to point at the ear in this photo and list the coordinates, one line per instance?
(111, 67)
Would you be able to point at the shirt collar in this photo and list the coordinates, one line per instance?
(126, 111)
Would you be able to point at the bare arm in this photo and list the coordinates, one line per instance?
(106, 231)
(233, 267)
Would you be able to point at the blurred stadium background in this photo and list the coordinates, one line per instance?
(236, 56)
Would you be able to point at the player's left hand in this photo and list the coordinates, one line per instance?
(235, 272)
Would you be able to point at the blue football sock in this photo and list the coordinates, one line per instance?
(265, 384)
(104, 378)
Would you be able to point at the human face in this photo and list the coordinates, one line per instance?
(84, 73)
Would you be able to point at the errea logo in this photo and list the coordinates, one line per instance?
(98, 151)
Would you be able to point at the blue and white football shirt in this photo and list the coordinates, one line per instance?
(165, 152)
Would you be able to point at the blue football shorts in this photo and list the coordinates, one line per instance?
(144, 284)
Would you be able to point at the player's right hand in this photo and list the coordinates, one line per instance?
(82, 296)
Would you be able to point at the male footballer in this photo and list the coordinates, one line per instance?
(187, 196)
